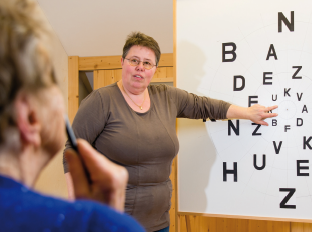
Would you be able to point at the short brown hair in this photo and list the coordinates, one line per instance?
(25, 59)
(138, 38)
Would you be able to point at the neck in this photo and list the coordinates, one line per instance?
(23, 167)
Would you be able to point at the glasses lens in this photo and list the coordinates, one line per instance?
(147, 65)
(134, 62)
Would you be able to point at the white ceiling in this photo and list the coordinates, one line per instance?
(100, 27)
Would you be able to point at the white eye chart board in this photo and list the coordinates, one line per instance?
(246, 52)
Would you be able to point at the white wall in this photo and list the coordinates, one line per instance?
(51, 180)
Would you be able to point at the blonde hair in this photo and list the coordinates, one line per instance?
(25, 59)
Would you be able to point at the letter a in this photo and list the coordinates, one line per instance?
(271, 52)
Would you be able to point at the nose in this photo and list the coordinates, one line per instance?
(140, 66)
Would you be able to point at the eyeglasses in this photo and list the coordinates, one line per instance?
(136, 62)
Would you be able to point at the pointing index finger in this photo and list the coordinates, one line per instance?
(271, 108)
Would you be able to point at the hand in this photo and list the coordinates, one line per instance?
(108, 180)
(257, 113)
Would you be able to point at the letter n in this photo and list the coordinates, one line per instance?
(231, 125)
(290, 25)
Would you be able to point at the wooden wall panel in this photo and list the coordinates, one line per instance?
(99, 62)
(172, 211)
(301, 227)
(98, 79)
(103, 78)
(114, 62)
(194, 223)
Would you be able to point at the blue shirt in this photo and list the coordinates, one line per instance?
(22, 209)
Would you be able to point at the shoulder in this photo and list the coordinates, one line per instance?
(36, 212)
(166, 90)
(109, 89)
(162, 89)
(103, 92)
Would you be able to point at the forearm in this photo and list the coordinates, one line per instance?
(255, 113)
(237, 112)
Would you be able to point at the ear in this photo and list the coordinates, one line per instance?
(27, 120)
(121, 61)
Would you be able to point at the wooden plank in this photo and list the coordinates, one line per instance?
(157, 80)
(109, 77)
(170, 72)
(301, 227)
(307, 227)
(99, 62)
(242, 225)
(161, 72)
(98, 79)
(172, 210)
(182, 224)
(166, 60)
(188, 223)
(257, 226)
(103, 78)
(247, 217)
(213, 224)
(114, 62)
(73, 87)
(118, 73)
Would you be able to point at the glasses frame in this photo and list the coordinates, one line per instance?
(139, 63)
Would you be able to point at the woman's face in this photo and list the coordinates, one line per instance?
(136, 78)
(52, 117)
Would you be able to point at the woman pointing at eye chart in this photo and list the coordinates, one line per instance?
(133, 124)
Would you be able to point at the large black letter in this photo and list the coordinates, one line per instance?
(300, 167)
(250, 101)
(274, 122)
(277, 149)
(287, 198)
(299, 97)
(231, 125)
(281, 17)
(298, 70)
(299, 119)
(255, 162)
(257, 128)
(232, 52)
(275, 97)
(234, 171)
(235, 83)
(271, 52)
(304, 109)
(265, 77)
(286, 91)
(307, 142)
(287, 127)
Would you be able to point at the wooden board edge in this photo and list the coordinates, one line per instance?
(246, 217)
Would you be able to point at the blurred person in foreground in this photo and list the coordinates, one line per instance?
(32, 131)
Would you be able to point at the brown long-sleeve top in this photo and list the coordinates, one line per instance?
(144, 143)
